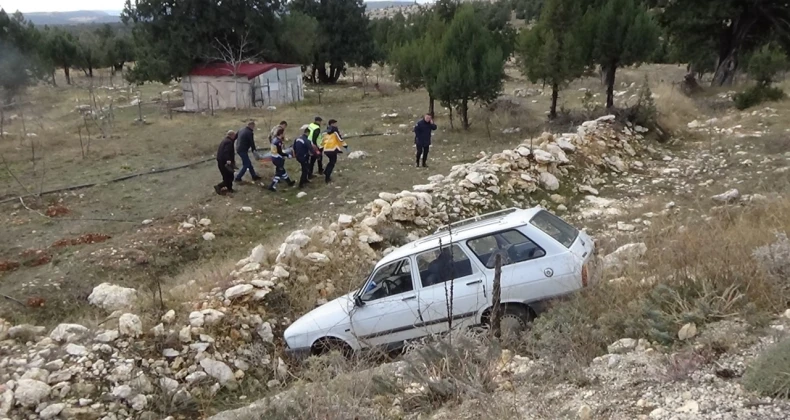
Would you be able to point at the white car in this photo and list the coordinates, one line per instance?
(405, 297)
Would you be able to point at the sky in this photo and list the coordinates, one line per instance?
(28, 6)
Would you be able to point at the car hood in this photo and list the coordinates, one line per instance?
(323, 317)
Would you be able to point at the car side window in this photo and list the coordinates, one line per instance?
(390, 280)
(512, 245)
(442, 264)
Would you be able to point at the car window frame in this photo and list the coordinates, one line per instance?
(543, 231)
(475, 269)
(482, 263)
(361, 292)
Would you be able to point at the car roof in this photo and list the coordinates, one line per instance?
(463, 230)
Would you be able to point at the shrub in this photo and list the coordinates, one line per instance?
(645, 111)
(756, 95)
(705, 272)
(457, 367)
(769, 374)
(766, 63)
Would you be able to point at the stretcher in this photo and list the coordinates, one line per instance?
(267, 157)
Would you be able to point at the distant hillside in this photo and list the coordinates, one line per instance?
(375, 5)
(72, 18)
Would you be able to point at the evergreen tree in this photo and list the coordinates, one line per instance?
(299, 38)
(620, 33)
(731, 29)
(344, 30)
(91, 53)
(120, 50)
(20, 59)
(470, 65)
(171, 37)
(60, 48)
(551, 51)
(414, 64)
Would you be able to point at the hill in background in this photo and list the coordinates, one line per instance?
(73, 18)
(374, 5)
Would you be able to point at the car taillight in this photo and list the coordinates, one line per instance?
(584, 275)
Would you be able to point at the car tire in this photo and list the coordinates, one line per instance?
(327, 345)
(514, 322)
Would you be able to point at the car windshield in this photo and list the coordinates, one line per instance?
(555, 227)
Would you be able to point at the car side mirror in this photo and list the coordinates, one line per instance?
(358, 302)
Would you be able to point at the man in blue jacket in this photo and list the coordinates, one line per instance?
(245, 143)
(302, 151)
(422, 138)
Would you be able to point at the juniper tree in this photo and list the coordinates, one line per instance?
(551, 51)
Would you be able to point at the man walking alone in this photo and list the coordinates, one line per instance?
(225, 157)
(422, 138)
(245, 144)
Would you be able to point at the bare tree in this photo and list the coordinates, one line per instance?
(234, 55)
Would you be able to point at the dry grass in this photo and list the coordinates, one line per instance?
(675, 109)
(693, 272)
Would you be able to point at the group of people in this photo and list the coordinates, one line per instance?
(308, 149)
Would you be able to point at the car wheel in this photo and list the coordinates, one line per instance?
(328, 345)
(514, 322)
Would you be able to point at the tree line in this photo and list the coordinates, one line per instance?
(456, 51)
(567, 39)
(29, 54)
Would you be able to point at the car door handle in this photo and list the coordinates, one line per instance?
(409, 298)
(472, 283)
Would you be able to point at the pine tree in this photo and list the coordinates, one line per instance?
(551, 51)
(620, 33)
(470, 65)
(414, 64)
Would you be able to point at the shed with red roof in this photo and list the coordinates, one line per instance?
(241, 86)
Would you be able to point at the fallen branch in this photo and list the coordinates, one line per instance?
(14, 300)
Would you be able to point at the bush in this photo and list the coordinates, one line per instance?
(756, 95)
(766, 63)
(769, 374)
(706, 272)
(645, 111)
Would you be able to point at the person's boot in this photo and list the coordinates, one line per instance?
(291, 183)
(218, 189)
(256, 178)
(424, 165)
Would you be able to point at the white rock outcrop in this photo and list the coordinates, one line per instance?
(113, 298)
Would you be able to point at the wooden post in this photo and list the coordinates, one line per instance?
(496, 313)
(169, 108)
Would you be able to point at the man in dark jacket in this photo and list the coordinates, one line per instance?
(225, 162)
(422, 138)
(245, 144)
(302, 151)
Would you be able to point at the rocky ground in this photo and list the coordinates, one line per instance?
(605, 176)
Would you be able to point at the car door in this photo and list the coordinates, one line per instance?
(438, 270)
(390, 309)
(531, 271)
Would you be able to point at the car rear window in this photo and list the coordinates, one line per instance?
(556, 228)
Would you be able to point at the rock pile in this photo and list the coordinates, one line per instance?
(123, 369)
